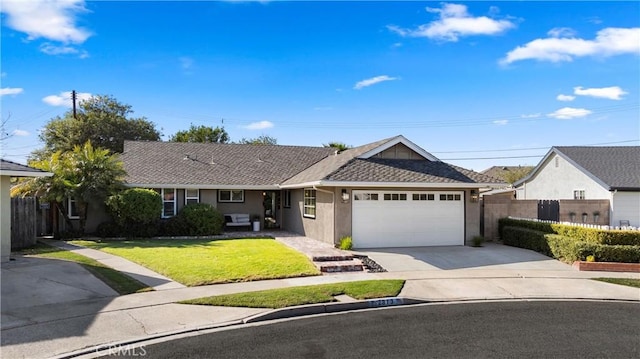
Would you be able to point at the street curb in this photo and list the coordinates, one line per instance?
(103, 349)
(324, 308)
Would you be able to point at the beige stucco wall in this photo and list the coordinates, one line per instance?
(5, 218)
(559, 182)
(320, 228)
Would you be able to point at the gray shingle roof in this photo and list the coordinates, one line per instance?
(392, 170)
(10, 166)
(618, 167)
(328, 165)
(174, 163)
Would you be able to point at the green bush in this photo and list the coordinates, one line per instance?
(592, 235)
(137, 205)
(198, 219)
(109, 230)
(346, 243)
(567, 248)
(477, 241)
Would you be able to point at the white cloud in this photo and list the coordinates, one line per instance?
(501, 122)
(11, 91)
(64, 98)
(611, 93)
(608, 42)
(52, 49)
(567, 113)
(456, 22)
(20, 133)
(566, 98)
(186, 62)
(562, 32)
(372, 81)
(531, 115)
(52, 20)
(261, 125)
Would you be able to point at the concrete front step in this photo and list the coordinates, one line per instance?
(354, 265)
(331, 257)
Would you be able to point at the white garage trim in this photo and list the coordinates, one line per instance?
(407, 218)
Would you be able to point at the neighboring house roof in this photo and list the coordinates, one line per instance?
(213, 165)
(613, 167)
(499, 171)
(13, 169)
(167, 164)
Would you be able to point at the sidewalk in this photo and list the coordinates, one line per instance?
(57, 328)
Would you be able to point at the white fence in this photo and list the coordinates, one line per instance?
(583, 225)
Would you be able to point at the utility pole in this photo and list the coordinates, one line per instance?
(73, 100)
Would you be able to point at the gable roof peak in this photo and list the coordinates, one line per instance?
(392, 141)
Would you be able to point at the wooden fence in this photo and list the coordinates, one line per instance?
(24, 221)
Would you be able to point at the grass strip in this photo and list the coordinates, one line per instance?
(195, 262)
(121, 283)
(630, 282)
(310, 294)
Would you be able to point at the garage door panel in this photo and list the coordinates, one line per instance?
(408, 223)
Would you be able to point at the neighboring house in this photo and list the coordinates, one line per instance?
(611, 173)
(389, 193)
(8, 170)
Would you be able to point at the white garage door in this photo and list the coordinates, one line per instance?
(407, 218)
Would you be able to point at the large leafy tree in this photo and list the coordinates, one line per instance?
(260, 140)
(201, 134)
(84, 174)
(100, 119)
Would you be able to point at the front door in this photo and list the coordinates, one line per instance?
(271, 203)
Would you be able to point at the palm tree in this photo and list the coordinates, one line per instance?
(338, 146)
(85, 174)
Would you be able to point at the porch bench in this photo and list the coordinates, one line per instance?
(237, 220)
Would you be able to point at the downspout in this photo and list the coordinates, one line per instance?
(333, 201)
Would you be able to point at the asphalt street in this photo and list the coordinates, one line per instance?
(503, 329)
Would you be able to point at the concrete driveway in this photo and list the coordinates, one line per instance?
(491, 256)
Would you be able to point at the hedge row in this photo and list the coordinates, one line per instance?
(567, 248)
(197, 219)
(591, 235)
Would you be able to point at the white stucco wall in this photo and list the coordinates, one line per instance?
(559, 182)
(5, 218)
(625, 206)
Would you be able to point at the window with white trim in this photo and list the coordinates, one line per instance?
(310, 203)
(423, 197)
(578, 194)
(230, 195)
(395, 196)
(191, 196)
(366, 197)
(286, 198)
(449, 197)
(72, 208)
(168, 202)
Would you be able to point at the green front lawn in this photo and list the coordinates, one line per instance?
(310, 294)
(194, 262)
(631, 282)
(119, 282)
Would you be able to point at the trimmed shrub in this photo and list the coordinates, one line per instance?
(109, 230)
(592, 235)
(477, 241)
(198, 219)
(567, 248)
(346, 243)
(136, 211)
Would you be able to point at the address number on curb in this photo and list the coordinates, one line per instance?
(384, 302)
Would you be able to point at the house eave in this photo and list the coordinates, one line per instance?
(25, 174)
(407, 184)
(202, 186)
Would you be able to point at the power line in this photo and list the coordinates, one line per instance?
(488, 158)
(535, 148)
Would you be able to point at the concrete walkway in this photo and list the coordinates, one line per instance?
(59, 327)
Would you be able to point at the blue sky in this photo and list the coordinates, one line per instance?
(499, 82)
